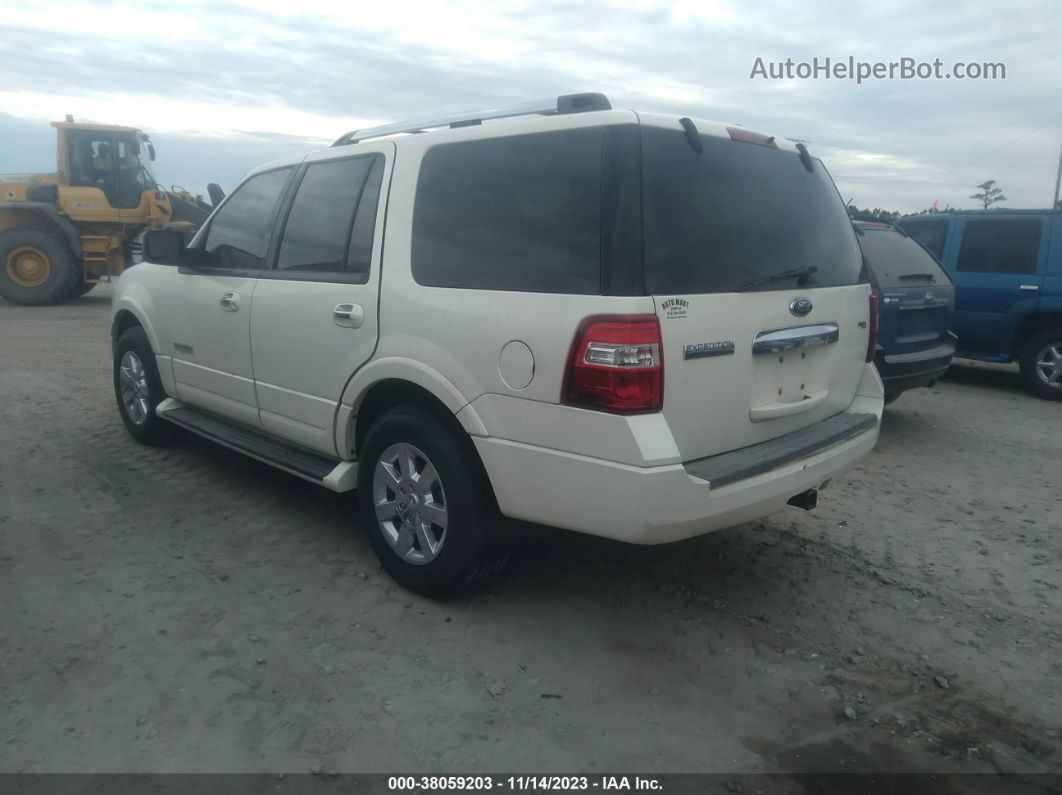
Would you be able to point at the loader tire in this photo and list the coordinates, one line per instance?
(36, 267)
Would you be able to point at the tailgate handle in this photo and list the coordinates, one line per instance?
(796, 338)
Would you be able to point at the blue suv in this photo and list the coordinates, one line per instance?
(1007, 269)
(915, 303)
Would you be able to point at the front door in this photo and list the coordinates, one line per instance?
(999, 271)
(315, 308)
(210, 312)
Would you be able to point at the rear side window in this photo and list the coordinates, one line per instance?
(931, 234)
(330, 226)
(736, 213)
(519, 213)
(898, 261)
(1000, 246)
(239, 233)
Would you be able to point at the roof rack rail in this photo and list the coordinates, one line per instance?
(566, 103)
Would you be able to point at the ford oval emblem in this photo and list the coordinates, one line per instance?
(801, 307)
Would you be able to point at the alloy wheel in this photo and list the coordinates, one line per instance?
(132, 383)
(410, 503)
(1049, 365)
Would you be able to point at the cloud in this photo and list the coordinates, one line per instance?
(218, 84)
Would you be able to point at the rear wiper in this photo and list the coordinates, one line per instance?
(801, 272)
(919, 276)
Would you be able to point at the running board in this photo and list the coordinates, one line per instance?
(323, 470)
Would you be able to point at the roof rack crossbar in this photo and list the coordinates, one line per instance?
(567, 103)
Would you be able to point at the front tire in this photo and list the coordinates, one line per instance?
(36, 267)
(1041, 364)
(138, 389)
(427, 506)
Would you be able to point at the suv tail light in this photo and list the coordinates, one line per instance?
(616, 364)
(872, 342)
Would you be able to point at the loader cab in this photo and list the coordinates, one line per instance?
(108, 172)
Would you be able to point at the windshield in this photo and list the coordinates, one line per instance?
(739, 216)
(134, 166)
(896, 260)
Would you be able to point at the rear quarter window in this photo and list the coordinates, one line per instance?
(898, 261)
(737, 212)
(519, 213)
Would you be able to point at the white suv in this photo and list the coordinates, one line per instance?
(630, 325)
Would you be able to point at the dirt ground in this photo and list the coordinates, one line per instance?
(188, 609)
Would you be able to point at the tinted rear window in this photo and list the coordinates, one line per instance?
(517, 213)
(898, 261)
(738, 212)
(930, 234)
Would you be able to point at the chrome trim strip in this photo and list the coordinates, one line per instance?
(798, 337)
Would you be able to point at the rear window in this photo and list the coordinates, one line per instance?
(518, 213)
(898, 261)
(736, 213)
(931, 234)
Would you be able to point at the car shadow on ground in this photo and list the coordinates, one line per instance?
(1001, 377)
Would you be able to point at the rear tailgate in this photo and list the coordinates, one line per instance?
(723, 391)
(758, 284)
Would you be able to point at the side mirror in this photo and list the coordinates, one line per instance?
(163, 246)
(216, 193)
(151, 151)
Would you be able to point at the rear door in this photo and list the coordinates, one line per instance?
(315, 313)
(750, 353)
(999, 273)
(916, 296)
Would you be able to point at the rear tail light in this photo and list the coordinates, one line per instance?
(872, 341)
(616, 364)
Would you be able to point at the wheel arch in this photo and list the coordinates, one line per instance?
(45, 214)
(126, 315)
(389, 382)
(1031, 325)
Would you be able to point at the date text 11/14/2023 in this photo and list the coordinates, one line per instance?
(522, 783)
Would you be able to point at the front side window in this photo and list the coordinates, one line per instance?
(239, 233)
(518, 213)
(329, 229)
(1000, 246)
(134, 171)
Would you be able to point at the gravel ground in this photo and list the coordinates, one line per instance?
(187, 609)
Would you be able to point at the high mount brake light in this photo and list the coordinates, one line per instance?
(616, 364)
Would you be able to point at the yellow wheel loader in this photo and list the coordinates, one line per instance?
(61, 233)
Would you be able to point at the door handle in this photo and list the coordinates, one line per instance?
(348, 315)
(230, 302)
(1032, 287)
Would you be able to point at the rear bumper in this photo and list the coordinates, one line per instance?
(909, 370)
(653, 505)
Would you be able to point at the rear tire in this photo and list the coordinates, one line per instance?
(1041, 364)
(427, 506)
(83, 288)
(138, 388)
(891, 397)
(36, 267)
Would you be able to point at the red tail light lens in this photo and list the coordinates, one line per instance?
(872, 342)
(616, 364)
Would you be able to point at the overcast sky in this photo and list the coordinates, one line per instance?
(223, 86)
